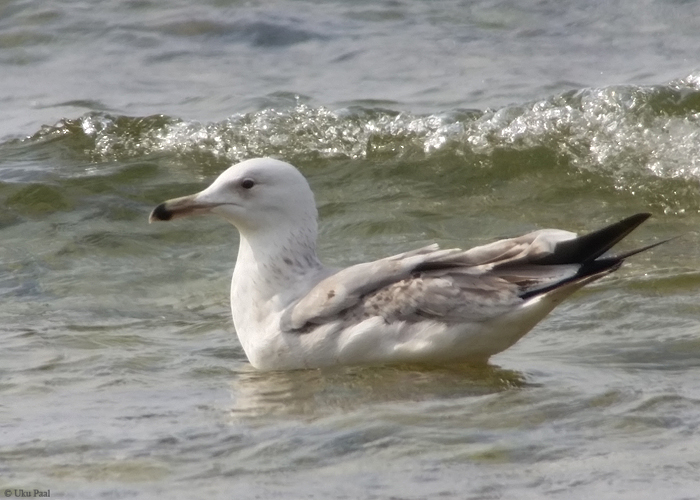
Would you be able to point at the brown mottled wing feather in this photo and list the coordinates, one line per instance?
(468, 283)
(448, 298)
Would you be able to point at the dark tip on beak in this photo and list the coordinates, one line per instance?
(160, 213)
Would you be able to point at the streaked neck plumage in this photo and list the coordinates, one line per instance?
(272, 271)
(271, 263)
(274, 260)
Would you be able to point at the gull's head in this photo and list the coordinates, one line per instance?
(255, 195)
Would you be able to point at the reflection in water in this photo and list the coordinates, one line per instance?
(314, 393)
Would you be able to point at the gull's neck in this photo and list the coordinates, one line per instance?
(269, 262)
(273, 270)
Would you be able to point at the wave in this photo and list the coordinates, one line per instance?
(632, 137)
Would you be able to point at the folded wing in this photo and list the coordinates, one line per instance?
(457, 285)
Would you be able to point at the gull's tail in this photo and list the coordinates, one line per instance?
(585, 250)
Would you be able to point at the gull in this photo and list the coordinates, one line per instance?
(428, 305)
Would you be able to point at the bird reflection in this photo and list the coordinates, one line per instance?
(317, 393)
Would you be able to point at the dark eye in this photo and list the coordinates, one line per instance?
(247, 183)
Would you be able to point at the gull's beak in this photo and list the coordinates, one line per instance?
(181, 207)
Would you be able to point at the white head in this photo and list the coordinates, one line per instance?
(257, 195)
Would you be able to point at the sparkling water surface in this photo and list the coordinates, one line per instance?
(456, 122)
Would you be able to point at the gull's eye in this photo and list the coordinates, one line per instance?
(247, 183)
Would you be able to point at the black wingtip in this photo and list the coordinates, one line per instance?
(585, 251)
(590, 246)
(160, 213)
(623, 256)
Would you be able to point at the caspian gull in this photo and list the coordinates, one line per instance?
(427, 305)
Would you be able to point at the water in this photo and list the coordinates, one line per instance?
(458, 122)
